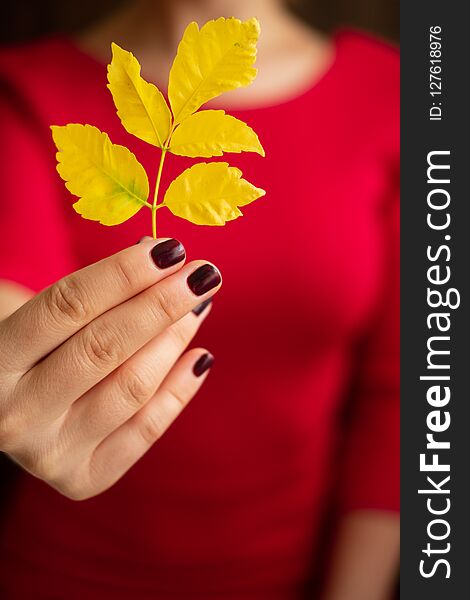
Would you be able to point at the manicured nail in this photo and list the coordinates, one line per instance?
(167, 253)
(197, 310)
(204, 279)
(202, 364)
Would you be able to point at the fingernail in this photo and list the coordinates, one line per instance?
(167, 253)
(197, 310)
(204, 279)
(202, 364)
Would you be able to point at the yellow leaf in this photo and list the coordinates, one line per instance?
(210, 194)
(111, 183)
(140, 105)
(210, 61)
(211, 133)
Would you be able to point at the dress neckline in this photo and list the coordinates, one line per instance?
(314, 83)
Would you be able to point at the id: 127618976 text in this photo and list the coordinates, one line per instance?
(435, 72)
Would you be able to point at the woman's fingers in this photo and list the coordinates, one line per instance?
(108, 341)
(119, 451)
(64, 308)
(127, 389)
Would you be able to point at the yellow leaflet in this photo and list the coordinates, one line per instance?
(211, 133)
(210, 61)
(140, 105)
(210, 194)
(111, 183)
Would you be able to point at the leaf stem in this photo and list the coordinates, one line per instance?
(155, 196)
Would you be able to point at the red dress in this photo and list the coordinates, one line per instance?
(300, 412)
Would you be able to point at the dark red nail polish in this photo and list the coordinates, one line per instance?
(197, 310)
(202, 364)
(168, 253)
(204, 279)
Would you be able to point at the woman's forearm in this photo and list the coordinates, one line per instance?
(364, 564)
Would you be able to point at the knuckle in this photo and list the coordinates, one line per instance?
(126, 273)
(178, 397)
(180, 334)
(66, 299)
(101, 346)
(164, 304)
(135, 388)
(151, 427)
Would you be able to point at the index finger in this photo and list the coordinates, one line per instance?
(62, 309)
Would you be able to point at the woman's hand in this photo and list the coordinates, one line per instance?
(90, 369)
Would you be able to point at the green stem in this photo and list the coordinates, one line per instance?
(155, 196)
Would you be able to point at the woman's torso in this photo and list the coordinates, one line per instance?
(230, 502)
